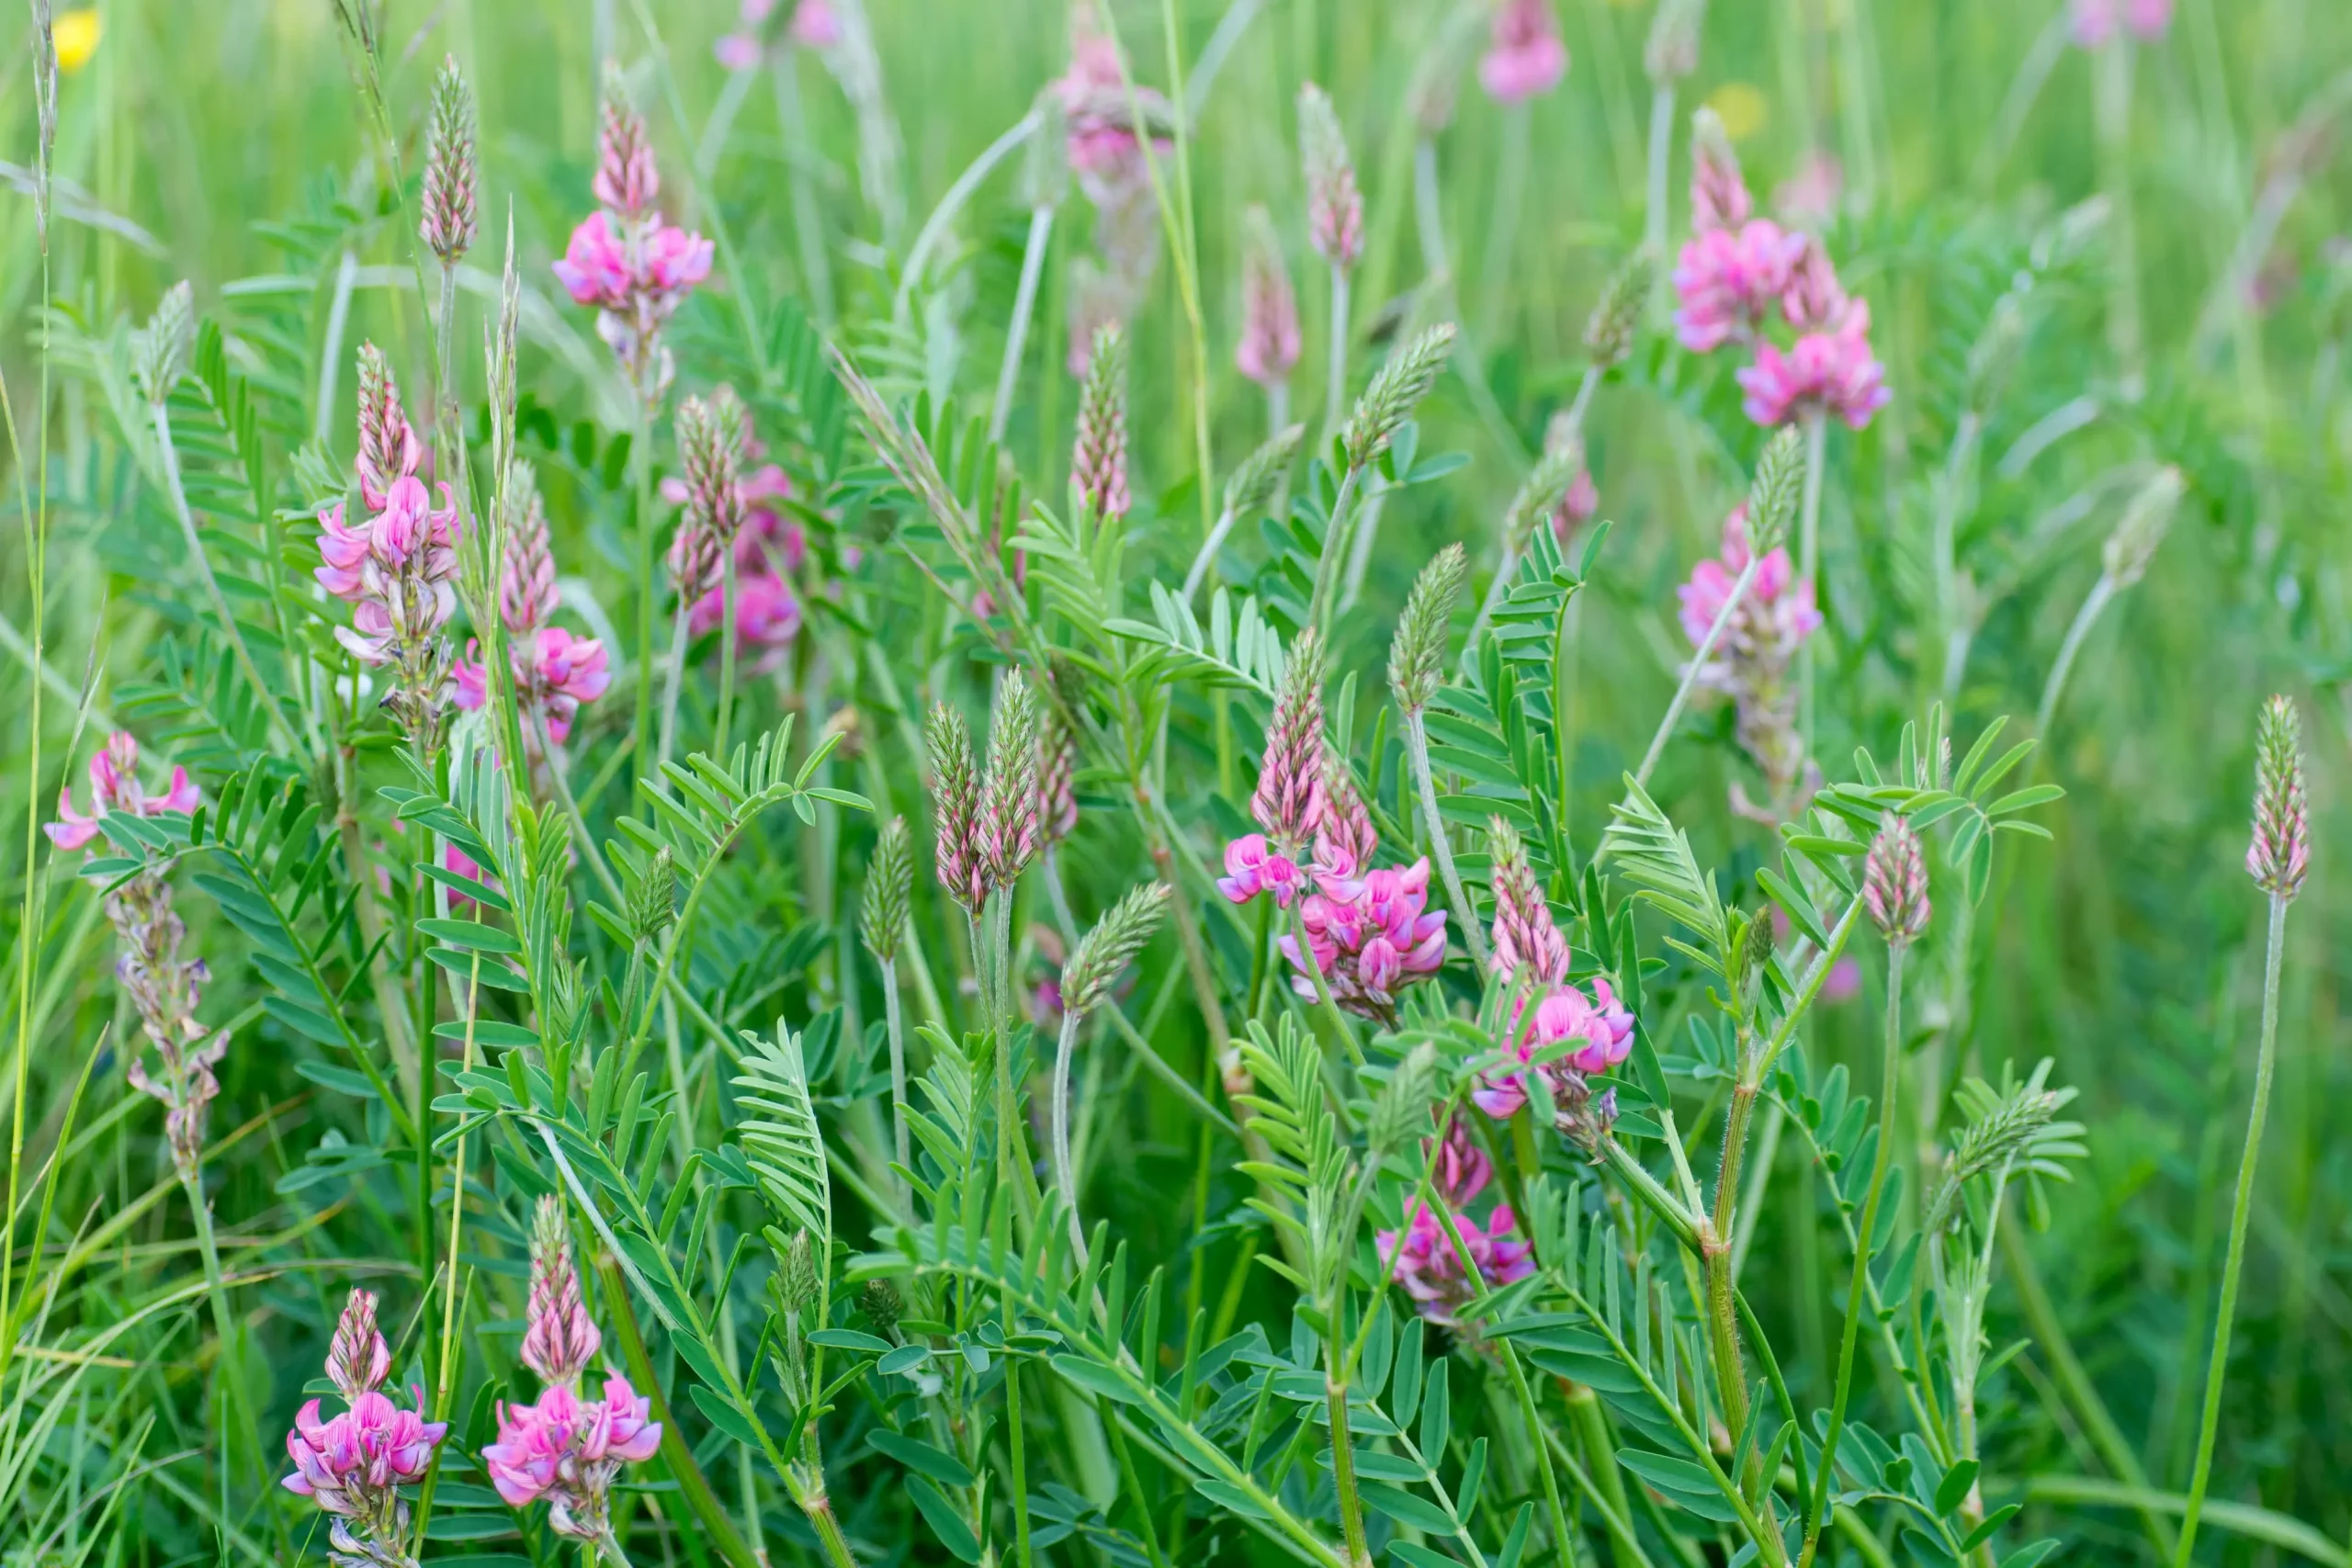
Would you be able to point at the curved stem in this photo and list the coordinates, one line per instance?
(1335, 537)
(896, 1023)
(1416, 748)
(1024, 305)
(2217, 1368)
(1207, 555)
(1329, 1009)
(941, 216)
(671, 683)
(2095, 600)
(1661, 156)
(1065, 1175)
(641, 465)
(727, 610)
(1816, 442)
(1335, 387)
(1739, 587)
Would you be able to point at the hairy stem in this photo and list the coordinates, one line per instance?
(1344, 1460)
(2218, 1366)
(1739, 587)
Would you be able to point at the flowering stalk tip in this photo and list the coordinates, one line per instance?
(447, 223)
(1334, 206)
(2279, 856)
(1894, 882)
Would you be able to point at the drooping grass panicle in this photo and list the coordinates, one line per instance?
(1417, 656)
(2280, 854)
(889, 882)
(447, 223)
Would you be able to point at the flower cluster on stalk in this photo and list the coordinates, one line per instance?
(1102, 145)
(1751, 661)
(397, 567)
(164, 988)
(353, 1465)
(625, 260)
(1557, 1030)
(1422, 1257)
(1740, 274)
(724, 509)
(1370, 932)
(564, 1448)
(991, 824)
(555, 670)
(1525, 58)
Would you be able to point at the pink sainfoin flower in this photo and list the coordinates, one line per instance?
(353, 1465)
(771, 548)
(1728, 281)
(624, 260)
(555, 670)
(1252, 866)
(1105, 148)
(1288, 801)
(812, 25)
(562, 1448)
(1371, 937)
(1271, 342)
(114, 787)
(1462, 1170)
(1580, 503)
(2095, 21)
(1719, 197)
(1752, 659)
(1423, 1259)
(397, 568)
(1525, 57)
(1831, 372)
(164, 988)
(1569, 1034)
(2278, 853)
(1334, 204)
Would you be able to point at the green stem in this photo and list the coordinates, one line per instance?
(1891, 1077)
(1714, 1250)
(726, 653)
(216, 1290)
(673, 680)
(719, 1530)
(1416, 748)
(1013, 1440)
(1817, 445)
(2218, 1367)
(648, 589)
(1329, 1009)
(1335, 390)
(1343, 1462)
(1065, 1175)
(1334, 547)
(895, 1022)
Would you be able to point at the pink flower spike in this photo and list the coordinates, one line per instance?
(627, 1433)
(1828, 372)
(1729, 280)
(1526, 58)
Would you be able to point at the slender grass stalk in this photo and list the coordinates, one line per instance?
(671, 680)
(895, 1023)
(647, 584)
(1816, 444)
(1739, 588)
(1661, 157)
(1465, 913)
(2094, 603)
(1335, 384)
(1890, 1081)
(1329, 1010)
(1507, 565)
(1065, 1175)
(2217, 1368)
(1024, 305)
(807, 218)
(2111, 119)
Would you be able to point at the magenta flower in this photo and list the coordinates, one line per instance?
(1831, 372)
(555, 671)
(1599, 1034)
(1729, 280)
(1424, 1259)
(1525, 57)
(1252, 868)
(114, 787)
(1463, 1168)
(767, 615)
(624, 261)
(2095, 21)
(1809, 197)
(1778, 609)
(354, 1465)
(533, 1442)
(815, 25)
(1370, 937)
(1105, 151)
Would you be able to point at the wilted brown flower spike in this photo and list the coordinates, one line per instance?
(2281, 854)
(1894, 882)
